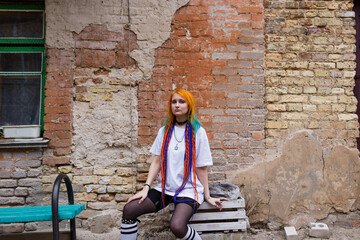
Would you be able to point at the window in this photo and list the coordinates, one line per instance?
(22, 62)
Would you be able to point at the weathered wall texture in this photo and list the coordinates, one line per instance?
(216, 51)
(273, 82)
(310, 69)
(304, 184)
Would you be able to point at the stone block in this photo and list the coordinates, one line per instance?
(8, 183)
(12, 228)
(290, 233)
(5, 174)
(19, 174)
(21, 192)
(319, 230)
(29, 182)
(11, 200)
(28, 163)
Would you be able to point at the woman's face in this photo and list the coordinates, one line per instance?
(179, 106)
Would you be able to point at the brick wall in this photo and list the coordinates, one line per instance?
(20, 183)
(216, 51)
(310, 69)
(58, 105)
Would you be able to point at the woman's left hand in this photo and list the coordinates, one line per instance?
(216, 202)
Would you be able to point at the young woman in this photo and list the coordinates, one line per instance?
(181, 154)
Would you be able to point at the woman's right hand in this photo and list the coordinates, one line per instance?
(142, 195)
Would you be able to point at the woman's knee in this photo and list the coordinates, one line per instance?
(178, 228)
(127, 211)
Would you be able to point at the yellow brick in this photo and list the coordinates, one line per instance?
(338, 107)
(321, 73)
(307, 73)
(295, 125)
(295, 90)
(293, 73)
(116, 180)
(126, 172)
(65, 169)
(347, 117)
(291, 22)
(103, 89)
(104, 171)
(272, 98)
(85, 179)
(272, 64)
(346, 65)
(273, 132)
(352, 125)
(309, 108)
(294, 116)
(88, 197)
(337, 91)
(317, 65)
(349, 74)
(274, 56)
(293, 98)
(321, 40)
(334, 22)
(333, 56)
(272, 81)
(295, 47)
(107, 97)
(290, 56)
(326, 14)
(311, 14)
(323, 100)
(313, 125)
(309, 89)
(347, 99)
(295, 107)
(333, 6)
(276, 107)
(324, 108)
(351, 108)
(276, 124)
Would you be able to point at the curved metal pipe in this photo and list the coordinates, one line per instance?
(55, 206)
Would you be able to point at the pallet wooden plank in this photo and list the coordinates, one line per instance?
(238, 203)
(221, 226)
(208, 216)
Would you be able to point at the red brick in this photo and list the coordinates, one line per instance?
(95, 58)
(53, 161)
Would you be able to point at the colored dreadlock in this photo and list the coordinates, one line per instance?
(189, 160)
(191, 129)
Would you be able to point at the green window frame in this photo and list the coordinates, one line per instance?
(25, 46)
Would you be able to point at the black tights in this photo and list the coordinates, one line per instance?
(178, 221)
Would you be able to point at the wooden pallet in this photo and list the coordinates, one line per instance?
(210, 219)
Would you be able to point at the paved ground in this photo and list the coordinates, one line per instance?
(342, 227)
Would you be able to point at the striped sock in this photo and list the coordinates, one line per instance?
(191, 235)
(128, 229)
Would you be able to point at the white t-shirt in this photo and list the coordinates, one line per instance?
(175, 162)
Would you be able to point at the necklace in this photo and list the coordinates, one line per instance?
(177, 141)
(181, 123)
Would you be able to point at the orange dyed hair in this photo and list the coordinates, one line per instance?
(191, 108)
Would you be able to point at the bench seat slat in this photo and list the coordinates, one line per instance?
(221, 226)
(238, 203)
(208, 216)
(38, 213)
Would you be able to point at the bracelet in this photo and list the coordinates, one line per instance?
(147, 185)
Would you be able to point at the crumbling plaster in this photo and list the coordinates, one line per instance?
(149, 20)
(304, 183)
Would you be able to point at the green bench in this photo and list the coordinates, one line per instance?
(54, 213)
